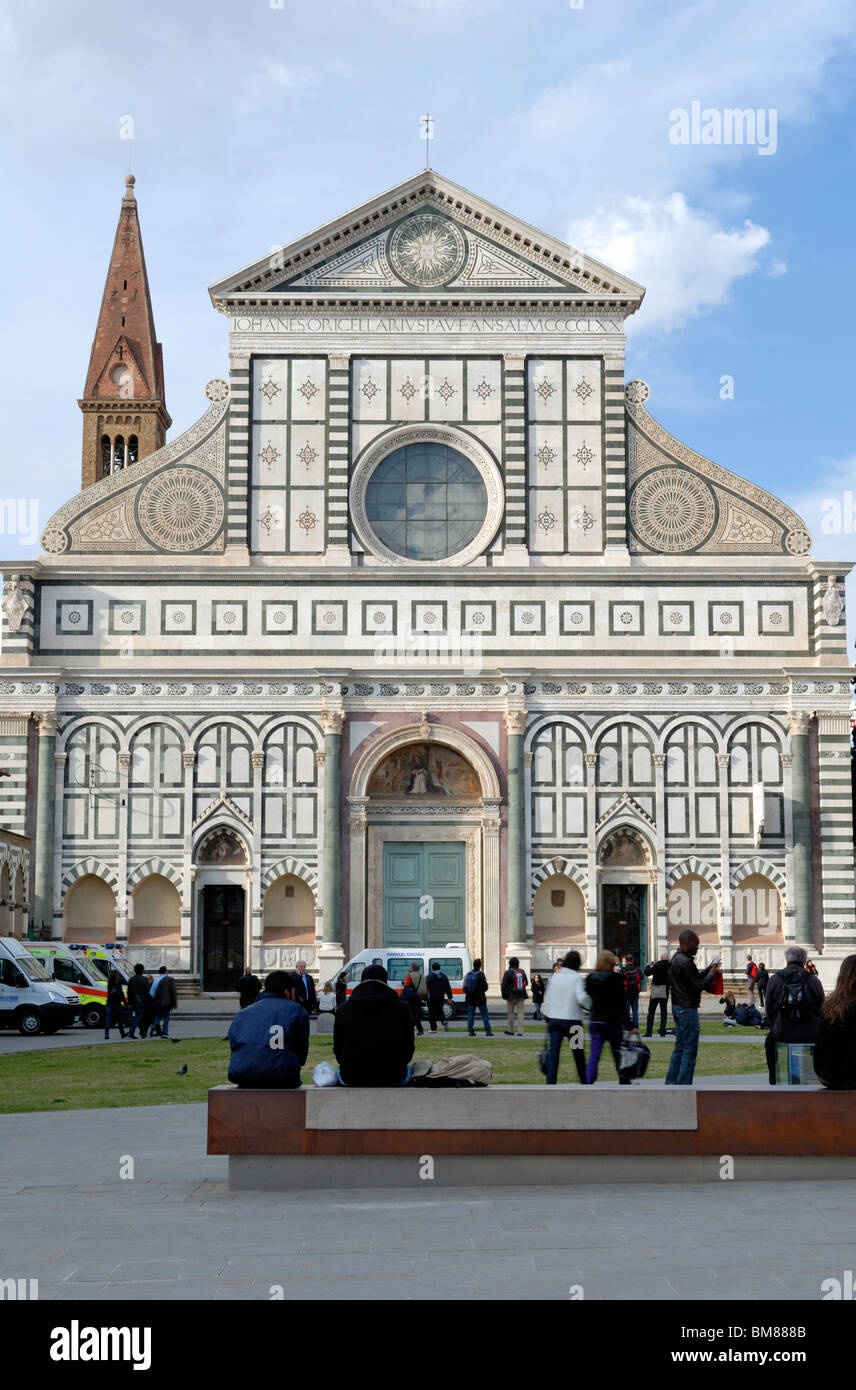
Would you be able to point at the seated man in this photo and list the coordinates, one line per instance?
(373, 1034)
(270, 1039)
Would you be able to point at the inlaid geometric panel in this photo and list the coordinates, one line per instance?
(565, 456)
(288, 455)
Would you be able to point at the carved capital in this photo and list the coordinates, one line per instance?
(257, 759)
(47, 724)
(515, 721)
(188, 758)
(332, 721)
(320, 757)
(514, 361)
(60, 759)
(787, 759)
(591, 759)
(124, 760)
(659, 759)
(339, 361)
(799, 721)
(723, 759)
(527, 759)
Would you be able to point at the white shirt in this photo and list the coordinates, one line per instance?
(566, 996)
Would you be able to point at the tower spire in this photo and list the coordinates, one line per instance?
(124, 407)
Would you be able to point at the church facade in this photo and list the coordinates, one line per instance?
(425, 632)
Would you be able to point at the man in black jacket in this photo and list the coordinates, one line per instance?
(249, 987)
(138, 997)
(659, 996)
(306, 992)
(439, 990)
(373, 1034)
(793, 1004)
(686, 984)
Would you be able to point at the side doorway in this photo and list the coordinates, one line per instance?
(222, 955)
(625, 920)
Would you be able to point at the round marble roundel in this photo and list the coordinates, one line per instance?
(427, 250)
(181, 509)
(672, 510)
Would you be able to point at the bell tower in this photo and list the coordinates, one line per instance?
(124, 410)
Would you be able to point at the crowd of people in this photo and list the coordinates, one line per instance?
(142, 1007)
(374, 1028)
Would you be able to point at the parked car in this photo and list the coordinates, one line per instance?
(29, 999)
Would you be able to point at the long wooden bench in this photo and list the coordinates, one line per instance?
(510, 1135)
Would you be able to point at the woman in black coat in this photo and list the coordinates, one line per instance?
(116, 1004)
(609, 1014)
(538, 988)
(835, 1045)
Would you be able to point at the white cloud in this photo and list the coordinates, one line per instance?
(684, 257)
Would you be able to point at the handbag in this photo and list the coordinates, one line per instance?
(408, 993)
(659, 992)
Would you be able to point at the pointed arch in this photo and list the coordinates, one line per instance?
(154, 866)
(701, 867)
(296, 867)
(95, 867)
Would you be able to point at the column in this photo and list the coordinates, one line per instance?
(801, 803)
(60, 760)
(788, 930)
(122, 858)
(515, 851)
(188, 760)
(45, 814)
(527, 848)
(658, 924)
(516, 550)
(238, 456)
(330, 952)
(725, 937)
(338, 457)
(615, 463)
(490, 952)
(836, 830)
(256, 914)
(358, 822)
(593, 885)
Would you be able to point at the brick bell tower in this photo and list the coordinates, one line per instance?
(124, 410)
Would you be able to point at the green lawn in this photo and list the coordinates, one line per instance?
(94, 1078)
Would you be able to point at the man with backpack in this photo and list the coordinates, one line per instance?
(751, 976)
(632, 987)
(513, 991)
(475, 997)
(794, 1001)
(439, 990)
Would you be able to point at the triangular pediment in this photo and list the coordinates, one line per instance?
(426, 236)
(121, 355)
(220, 804)
(624, 805)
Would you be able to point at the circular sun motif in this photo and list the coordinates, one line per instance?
(427, 250)
(181, 509)
(672, 510)
(217, 390)
(798, 542)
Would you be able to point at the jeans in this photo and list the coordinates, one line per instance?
(557, 1029)
(471, 1019)
(162, 1022)
(653, 1006)
(687, 1029)
(603, 1033)
(113, 1016)
(633, 1006)
(435, 1014)
(516, 1008)
(136, 1021)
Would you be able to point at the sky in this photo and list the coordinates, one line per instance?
(255, 121)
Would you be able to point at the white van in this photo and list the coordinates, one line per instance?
(453, 959)
(29, 999)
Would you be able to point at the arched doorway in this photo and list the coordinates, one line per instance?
(89, 911)
(424, 843)
(289, 913)
(221, 914)
(559, 912)
(156, 914)
(625, 871)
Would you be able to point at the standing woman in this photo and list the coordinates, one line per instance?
(835, 1045)
(762, 979)
(609, 1014)
(116, 1003)
(538, 988)
(327, 999)
(414, 991)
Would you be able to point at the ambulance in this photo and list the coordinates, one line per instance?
(72, 968)
(29, 999)
(453, 959)
(103, 959)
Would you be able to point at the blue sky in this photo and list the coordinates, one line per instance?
(255, 122)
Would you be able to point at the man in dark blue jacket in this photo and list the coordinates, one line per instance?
(270, 1039)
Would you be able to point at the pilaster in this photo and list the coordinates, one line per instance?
(45, 822)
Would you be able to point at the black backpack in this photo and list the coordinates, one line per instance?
(794, 1010)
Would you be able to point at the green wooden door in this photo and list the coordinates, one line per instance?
(423, 894)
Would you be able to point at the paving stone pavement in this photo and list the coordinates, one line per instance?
(174, 1232)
